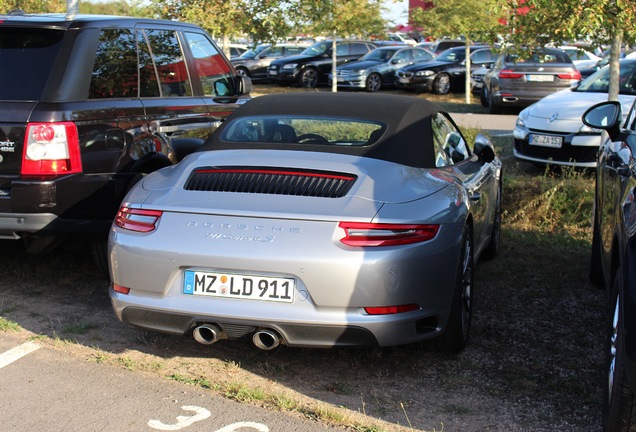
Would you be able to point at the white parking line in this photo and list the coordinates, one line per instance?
(17, 353)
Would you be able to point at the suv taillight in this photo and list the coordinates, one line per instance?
(50, 149)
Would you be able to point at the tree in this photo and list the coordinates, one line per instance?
(471, 19)
(33, 6)
(603, 22)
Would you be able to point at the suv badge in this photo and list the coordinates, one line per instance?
(7, 147)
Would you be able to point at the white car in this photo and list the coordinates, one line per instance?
(550, 131)
(580, 57)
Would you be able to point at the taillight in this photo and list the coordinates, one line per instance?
(572, 75)
(137, 220)
(377, 234)
(509, 74)
(390, 310)
(51, 149)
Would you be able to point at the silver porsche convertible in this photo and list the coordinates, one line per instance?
(314, 220)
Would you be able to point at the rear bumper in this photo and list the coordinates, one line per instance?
(69, 206)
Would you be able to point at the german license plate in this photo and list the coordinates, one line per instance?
(403, 80)
(273, 72)
(540, 78)
(227, 285)
(546, 140)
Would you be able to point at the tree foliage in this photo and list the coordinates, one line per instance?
(474, 20)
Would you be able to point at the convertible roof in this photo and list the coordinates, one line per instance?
(407, 138)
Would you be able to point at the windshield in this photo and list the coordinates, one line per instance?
(317, 49)
(452, 55)
(381, 55)
(599, 81)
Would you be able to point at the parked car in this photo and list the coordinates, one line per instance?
(256, 67)
(446, 72)
(91, 104)
(613, 260)
(551, 132)
(581, 57)
(438, 46)
(236, 50)
(477, 79)
(308, 220)
(377, 68)
(313, 66)
(522, 76)
(401, 38)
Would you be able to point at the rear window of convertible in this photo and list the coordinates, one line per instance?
(299, 130)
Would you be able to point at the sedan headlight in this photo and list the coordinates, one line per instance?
(424, 73)
(356, 72)
(521, 131)
(290, 66)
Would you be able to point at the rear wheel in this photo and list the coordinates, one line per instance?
(493, 108)
(441, 84)
(483, 96)
(455, 336)
(619, 410)
(309, 78)
(374, 82)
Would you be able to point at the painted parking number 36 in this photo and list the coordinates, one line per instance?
(202, 414)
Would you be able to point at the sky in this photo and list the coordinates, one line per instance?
(397, 11)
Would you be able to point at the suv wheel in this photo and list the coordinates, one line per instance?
(309, 78)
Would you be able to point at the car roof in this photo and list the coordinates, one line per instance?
(66, 21)
(406, 119)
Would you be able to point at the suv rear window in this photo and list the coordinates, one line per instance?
(27, 56)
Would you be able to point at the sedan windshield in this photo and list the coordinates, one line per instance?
(599, 81)
(316, 49)
(381, 55)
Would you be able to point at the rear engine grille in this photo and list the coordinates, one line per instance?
(275, 181)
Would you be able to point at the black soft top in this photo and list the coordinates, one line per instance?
(406, 138)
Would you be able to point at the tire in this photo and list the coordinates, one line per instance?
(241, 71)
(619, 407)
(492, 249)
(483, 96)
(441, 84)
(493, 108)
(308, 78)
(374, 83)
(455, 337)
(596, 266)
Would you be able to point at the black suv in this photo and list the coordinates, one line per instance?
(88, 105)
(313, 66)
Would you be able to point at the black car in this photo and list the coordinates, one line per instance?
(88, 105)
(613, 262)
(446, 72)
(256, 67)
(313, 66)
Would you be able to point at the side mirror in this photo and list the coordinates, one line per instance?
(484, 149)
(606, 116)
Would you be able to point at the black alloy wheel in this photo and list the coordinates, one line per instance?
(309, 78)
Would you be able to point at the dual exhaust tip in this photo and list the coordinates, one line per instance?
(207, 334)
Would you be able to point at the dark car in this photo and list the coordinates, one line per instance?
(377, 68)
(446, 72)
(89, 105)
(313, 66)
(256, 67)
(522, 76)
(613, 259)
(441, 45)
